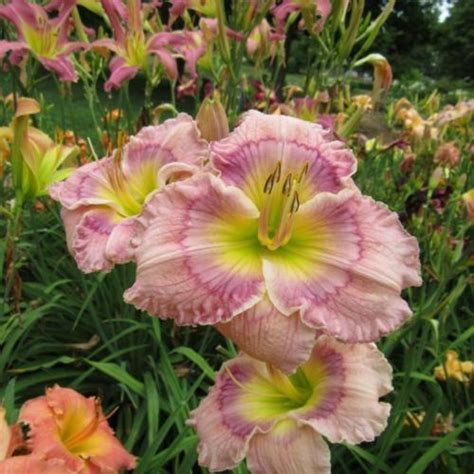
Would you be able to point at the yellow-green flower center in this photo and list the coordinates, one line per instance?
(280, 206)
(266, 397)
(42, 40)
(135, 50)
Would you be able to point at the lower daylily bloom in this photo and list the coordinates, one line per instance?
(44, 37)
(281, 233)
(66, 426)
(101, 199)
(277, 422)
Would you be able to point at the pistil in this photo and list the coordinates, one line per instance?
(280, 206)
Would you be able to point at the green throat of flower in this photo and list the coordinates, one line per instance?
(280, 206)
(43, 41)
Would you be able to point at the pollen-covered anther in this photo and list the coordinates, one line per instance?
(281, 203)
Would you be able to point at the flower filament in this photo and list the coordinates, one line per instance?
(280, 206)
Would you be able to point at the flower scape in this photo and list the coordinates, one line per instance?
(254, 231)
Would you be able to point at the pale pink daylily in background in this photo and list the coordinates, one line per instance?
(66, 427)
(132, 47)
(101, 199)
(279, 245)
(277, 422)
(46, 38)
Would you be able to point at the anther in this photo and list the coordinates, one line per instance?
(295, 204)
(277, 172)
(303, 173)
(287, 185)
(267, 188)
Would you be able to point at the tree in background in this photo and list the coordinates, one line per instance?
(456, 41)
(410, 35)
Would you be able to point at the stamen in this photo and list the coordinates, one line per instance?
(280, 205)
(295, 205)
(287, 185)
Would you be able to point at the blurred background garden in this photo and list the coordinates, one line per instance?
(394, 80)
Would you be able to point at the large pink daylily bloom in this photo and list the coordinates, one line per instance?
(132, 47)
(45, 38)
(66, 426)
(282, 238)
(277, 422)
(101, 199)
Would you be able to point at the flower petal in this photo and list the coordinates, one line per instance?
(270, 336)
(62, 66)
(197, 262)
(222, 419)
(344, 269)
(119, 248)
(290, 449)
(5, 435)
(90, 240)
(32, 465)
(175, 140)
(354, 377)
(120, 72)
(6, 46)
(252, 151)
(88, 185)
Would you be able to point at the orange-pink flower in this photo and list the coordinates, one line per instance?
(68, 428)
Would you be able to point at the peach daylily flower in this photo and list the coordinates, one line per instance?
(277, 422)
(64, 426)
(279, 245)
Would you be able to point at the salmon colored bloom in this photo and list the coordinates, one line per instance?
(34, 465)
(45, 38)
(281, 239)
(316, 11)
(277, 422)
(66, 426)
(101, 199)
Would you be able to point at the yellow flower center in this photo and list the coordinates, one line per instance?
(280, 206)
(42, 40)
(135, 50)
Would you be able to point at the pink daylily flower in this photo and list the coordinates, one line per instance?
(33, 465)
(320, 9)
(282, 223)
(64, 426)
(277, 422)
(131, 46)
(101, 199)
(45, 38)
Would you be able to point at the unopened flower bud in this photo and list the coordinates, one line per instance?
(212, 120)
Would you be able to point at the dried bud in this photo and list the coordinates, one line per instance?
(212, 120)
(447, 155)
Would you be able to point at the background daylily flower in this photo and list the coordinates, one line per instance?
(282, 221)
(101, 199)
(44, 37)
(315, 12)
(276, 421)
(131, 46)
(36, 160)
(65, 425)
